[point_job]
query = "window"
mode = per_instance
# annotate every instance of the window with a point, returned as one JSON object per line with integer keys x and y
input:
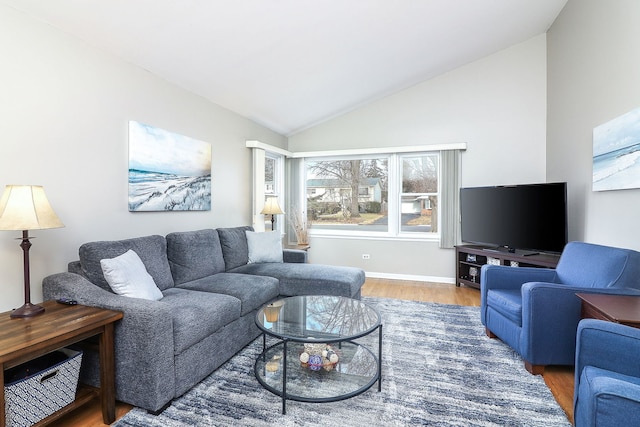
{"x": 391, "y": 194}
{"x": 269, "y": 167}
{"x": 347, "y": 194}
{"x": 273, "y": 182}
{"x": 419, "y": 194}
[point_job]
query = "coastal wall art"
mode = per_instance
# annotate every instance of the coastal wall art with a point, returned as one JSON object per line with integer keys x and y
{"x": 167, "y": 171}
{"x": 616, "y": 153}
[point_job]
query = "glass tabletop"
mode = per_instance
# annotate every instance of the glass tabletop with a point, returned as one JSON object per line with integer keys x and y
{"x": 317, "y": 318}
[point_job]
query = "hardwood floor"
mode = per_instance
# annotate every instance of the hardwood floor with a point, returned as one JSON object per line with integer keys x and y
{"x": 559, "y": 379}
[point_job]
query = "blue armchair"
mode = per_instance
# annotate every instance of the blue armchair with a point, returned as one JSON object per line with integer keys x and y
{"x": 536, "y": 312}
{"x": 607, "y": 382}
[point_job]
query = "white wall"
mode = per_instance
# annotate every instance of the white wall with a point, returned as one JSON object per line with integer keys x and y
{"x": 64, "y": 108}
{"x": 497, "y": 105}
{"x": 593, "y": 69}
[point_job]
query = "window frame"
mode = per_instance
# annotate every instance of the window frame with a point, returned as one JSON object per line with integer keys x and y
{"x": 298, "y": 195}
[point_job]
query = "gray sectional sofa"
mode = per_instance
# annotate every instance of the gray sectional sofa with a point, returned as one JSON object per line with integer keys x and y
{"x": 210, "y": 296}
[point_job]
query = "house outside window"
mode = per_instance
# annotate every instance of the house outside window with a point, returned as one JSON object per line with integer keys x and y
{"x": 395, "y": 194}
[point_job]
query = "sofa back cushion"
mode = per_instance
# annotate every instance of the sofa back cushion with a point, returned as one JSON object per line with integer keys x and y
{"x": 234, "y": 246}
{"x": 152, "y": 250}
{"x": 194, "y": 254}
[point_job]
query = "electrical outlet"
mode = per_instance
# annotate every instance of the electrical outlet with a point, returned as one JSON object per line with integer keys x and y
{"x": 366, "y": 256}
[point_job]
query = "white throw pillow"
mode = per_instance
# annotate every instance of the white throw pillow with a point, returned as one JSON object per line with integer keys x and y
{"x": 264, "y": 247}
{"x": 127, "y": 276}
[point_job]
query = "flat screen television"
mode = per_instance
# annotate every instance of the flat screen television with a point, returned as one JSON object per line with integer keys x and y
{"x": 525, "y": 219}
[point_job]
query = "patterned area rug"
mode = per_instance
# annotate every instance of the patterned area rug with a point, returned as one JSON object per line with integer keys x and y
{"x": 439, "y": 369}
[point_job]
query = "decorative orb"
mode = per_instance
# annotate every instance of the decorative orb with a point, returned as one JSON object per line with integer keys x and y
{"x": 315, "y": 362}
{"x": 333, "y": 358}
{"x": 304, "y": 357}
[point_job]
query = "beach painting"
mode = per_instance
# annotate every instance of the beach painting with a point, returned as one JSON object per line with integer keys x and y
{"x": 167, "y": 171}
{"x": 616, "y": 153}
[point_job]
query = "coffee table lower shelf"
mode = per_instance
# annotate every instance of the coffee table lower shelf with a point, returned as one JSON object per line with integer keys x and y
{"x": 278, "y": 369}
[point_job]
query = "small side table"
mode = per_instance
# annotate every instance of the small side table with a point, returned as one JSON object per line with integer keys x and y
{"x": 24, "y": 339}
{"x": 624, "y": 309}
{"x": 304, "y": 247}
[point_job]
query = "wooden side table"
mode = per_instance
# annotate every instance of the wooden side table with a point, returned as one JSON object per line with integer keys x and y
{"x": 24, "y": 339}
{"x": 298, "y": 247}
{"x": 624, "y": 309}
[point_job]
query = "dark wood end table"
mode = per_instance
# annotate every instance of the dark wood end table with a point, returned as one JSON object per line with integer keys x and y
{"x": 24, "y": 339}
{"x": 624, "y": 309}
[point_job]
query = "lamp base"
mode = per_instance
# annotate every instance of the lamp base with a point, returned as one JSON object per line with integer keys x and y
{"x": 27, "y": 310}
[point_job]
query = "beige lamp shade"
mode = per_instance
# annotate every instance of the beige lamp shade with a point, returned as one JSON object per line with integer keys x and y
{"x": 272, "y": 311}
{"x": 26, "y": 207}
{"x": 271, "y": 206}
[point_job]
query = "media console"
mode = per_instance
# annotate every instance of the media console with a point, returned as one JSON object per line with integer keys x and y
{"x": 471, "y": 258}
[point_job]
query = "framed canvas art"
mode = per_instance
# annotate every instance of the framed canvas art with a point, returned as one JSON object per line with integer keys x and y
{"x": 167, "y": 171}
{"x": 616, "y": 153}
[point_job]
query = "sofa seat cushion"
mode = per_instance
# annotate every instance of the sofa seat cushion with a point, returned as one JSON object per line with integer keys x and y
{"x": 309, "y": 279}
{"x": 196, "y": 315}
{"x": 194, "y": 254}
{"x": 252, "y": 291}
{"x": 507, "y": 302}
{"x": 152, "y": 250}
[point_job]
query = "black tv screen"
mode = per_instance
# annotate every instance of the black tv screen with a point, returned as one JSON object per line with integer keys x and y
{"x": 530, "y": 217}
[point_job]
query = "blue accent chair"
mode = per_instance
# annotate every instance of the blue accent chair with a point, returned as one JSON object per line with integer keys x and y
{"x": 535, "y": 310}
{"x": 607, "y": 382}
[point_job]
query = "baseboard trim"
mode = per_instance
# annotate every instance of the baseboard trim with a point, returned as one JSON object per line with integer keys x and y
{"x": 413, "y": 277}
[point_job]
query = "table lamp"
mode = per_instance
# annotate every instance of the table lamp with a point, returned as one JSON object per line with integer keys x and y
{"x": 25, "y": 207}
{"x": 272, "y": 311}
{"x": 271, "y": 207}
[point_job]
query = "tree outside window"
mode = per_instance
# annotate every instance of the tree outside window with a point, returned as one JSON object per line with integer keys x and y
{"x": 347, "y": 194}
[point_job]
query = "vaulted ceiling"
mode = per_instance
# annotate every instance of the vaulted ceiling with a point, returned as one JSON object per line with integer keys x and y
{"x": 290, "y": 64}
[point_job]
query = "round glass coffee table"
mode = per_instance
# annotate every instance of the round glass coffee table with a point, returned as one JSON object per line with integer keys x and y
{"x": 317, "y": 358}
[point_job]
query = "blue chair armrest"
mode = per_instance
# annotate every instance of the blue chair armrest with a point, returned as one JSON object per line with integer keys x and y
{"x": 607, "y": 345}
{"x": 504, "y": 277}
{"x": 607, "y": 401}
{"x": 550, "y": 314}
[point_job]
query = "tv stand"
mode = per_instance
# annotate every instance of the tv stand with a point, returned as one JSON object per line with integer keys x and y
{"x": 471, "y": 258}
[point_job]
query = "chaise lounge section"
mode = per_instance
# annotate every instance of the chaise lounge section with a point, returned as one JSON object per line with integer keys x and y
{"x": 210, "y": 293}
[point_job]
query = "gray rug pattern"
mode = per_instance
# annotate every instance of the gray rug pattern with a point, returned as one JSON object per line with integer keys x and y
{"x": 439, "y": 369}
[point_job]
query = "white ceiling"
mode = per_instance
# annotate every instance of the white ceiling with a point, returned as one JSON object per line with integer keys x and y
{"x": 290, "y": 64}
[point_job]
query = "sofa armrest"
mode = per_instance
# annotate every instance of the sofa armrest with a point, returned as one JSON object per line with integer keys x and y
{"x": 294, "y": 255}
{"x": 143, "y": 339}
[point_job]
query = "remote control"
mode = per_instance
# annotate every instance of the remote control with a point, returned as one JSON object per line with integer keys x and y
{"x": 67, "y": 301}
